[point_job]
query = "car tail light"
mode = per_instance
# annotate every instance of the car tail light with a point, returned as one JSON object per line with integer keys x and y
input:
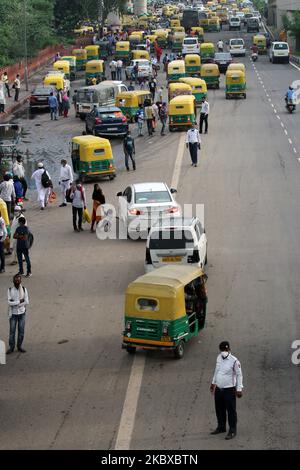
{"x": 124, "y": 119}
{"x": 128, "y": 326}
{"x": 98, "y": 121}
{"x": 32, "y": 98}
{"x": 134, "y": 212}
{"x": 172, "y": 210}
{"x": 194, "y": 258}
{"x": 110, "y": 166}
{"x": 148, "y": 259}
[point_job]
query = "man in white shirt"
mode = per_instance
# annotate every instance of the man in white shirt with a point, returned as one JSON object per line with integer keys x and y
{"x": 227, "y": 384}
{"x": 193, "y": 143}
{"x": 17, "y": 297}
{"x": 204, "y": 115}
{"x": 113, "y": 69}
{"x": 19, "y": 170}
{"x": 119, "y": 69}
{"x": 3, "y": 235}
{"x": 43, "y": 192}
{"x": 7, "y": 192}
{"x": 65, "y": 180}
{"x": 220, "y": 45}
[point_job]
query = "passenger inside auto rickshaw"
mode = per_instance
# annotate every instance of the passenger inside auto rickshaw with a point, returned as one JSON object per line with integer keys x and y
{"x": 196, "y": 300}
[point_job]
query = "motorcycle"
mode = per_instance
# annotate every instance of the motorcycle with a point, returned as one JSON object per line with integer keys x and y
{"x": 290, "y": 105}
{"x": 254, "y": 56}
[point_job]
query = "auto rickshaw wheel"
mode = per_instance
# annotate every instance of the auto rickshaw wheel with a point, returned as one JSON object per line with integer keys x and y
{"x": 179, "y": 350}
{"x": 130, "y": 349}
{"x": 245, "y": 96}
{"x": 111, "y": 177}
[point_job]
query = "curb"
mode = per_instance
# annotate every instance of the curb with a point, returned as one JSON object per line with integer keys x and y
{"x": 14, "y": 108}
{"x": 294, "y": 58}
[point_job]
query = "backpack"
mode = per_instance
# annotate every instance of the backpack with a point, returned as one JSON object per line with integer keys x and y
{"x": 68, "y": 195}
{"x": 45, "y": 180}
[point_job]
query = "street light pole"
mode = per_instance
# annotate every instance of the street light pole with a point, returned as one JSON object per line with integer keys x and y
{"x": 100, "y": 16}
{"x": 25, "y": 45}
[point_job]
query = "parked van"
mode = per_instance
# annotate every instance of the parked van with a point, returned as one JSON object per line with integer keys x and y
{"x": 176, "y": 241}
{"x": 103, "y": 94}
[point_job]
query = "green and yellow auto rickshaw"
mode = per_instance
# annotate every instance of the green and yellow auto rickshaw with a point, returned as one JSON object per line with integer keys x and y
{"x": 81, "y": 58}
{"x": 92, "y": 157}
{"x": 176, "y": 70}
{"x": 182, "y": 112}
{"x": 177, "y": 40}
{"x": 199, "y": 32}
{"x": 165, "y": 309}
{"x": 192, "y": 65}
{"x": 134, "y": 40}
{"x": 214, "y": 24}
{"x": 162, "y": 38}
{"x": 203, "y": 23}
{"x": 123, "y": 51}
{"x": 211, "y": 74}
{"x": 261, "y": 42}
{"x": 92, "y": 52}
{"x": 199, "y": 88}
{"x": 62, "y": 66}
{"x": 129, "y": 101}
{"x": 103, "y": 49}
{"x": 94, "y": 72}
{"x": 178, "y": 88}
{"x": 235, "y": 81}
{"x": 72, "y": 61}
{"x": 207, "y": 52}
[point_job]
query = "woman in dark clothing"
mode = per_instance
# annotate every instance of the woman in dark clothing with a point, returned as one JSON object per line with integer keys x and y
{"x": 98, "y": 199}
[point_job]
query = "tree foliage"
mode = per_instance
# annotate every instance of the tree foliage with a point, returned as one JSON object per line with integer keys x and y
{"x": 292, "y": 25}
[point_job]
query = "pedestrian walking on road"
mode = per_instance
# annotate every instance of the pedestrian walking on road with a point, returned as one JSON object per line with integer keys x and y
{"x": 129, "y": 150}
{"x": 60, "y": 102}
{"x": 7, "y": 192}
{"x": 227, "y": 384}
{"x": 77, "y": 195}
{"x": 16, "y": 87}
{"x": 66, "y": 105}
{"x": 19, "y": 170}
{"x": 17, "y": 297}
{"x": 5, "y": 81}
{"x": 18, "y": 212}
{"x": 113, "y": 69}
{"x": 98, "y": 199}
{"x": 24, "y": 241}
{"x": 193, "y": 143}
{"x": 131, "y": 87}
{"x": 53, "y": 105}
{"x": 3, "y": 235}
{"x": 140, "y": 120}
{"x": 2, "y": 99}
{"x": 163, "y": 116}
{"x": 152, "y": 87}
{"x": 149, "y": 118}
{"x": 119, "y": 69}
{"x": 43, "y": 184}
{"x": 65, "y": 180}
{"x": 74, "y": 101}
{"x": 204, "y": 115}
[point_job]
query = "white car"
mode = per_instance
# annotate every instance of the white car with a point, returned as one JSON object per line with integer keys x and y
{"x": 143, "y": 204}
{"x": 190, "y": 46}
{"x": 144, "y": 68}
{"x": 279, "y": 52}
{"x": 237, "y": 47}
{"x": 177, "y": 241}
{"x": 234, "y": 22}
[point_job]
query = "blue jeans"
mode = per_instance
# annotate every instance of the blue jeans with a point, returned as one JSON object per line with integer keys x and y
{"x": 13, "y": 321}
{"x": 20, "y": 254}
{"x": 140, "y": 127}
{"x": 53, "y": 113}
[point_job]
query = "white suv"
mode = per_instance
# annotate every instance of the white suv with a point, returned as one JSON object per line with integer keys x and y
{"x": 234, "y": 23}
{"x": 279, "y": 52}
{"x": 237, "y": 47}
{"x": 190, "y": 46}
{"x": 176, "y": 241}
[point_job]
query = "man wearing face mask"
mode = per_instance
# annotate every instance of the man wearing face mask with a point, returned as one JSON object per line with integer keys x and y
{"x": 227, "y": 384}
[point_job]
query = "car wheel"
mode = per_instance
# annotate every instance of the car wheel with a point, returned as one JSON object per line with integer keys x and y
{"x": 130, "y": 349}
{"x": 179, "y": 350}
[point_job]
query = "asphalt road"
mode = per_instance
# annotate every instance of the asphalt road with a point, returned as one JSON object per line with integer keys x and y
{"x": 75, "y": 388}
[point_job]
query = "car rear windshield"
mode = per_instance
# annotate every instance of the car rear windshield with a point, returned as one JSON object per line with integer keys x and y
{"x": 190, "y": 41}
{"x": 237, "y": 42}
{"x": 222, "y": 56}
{"x": 148, "y": 197}
{"x": 237, "y": 20}
{"x": 86, "y": 97}
{"x": 42, "y": 90}
{"x": 280, "y": 46}
{"x": 111, "y": 115}
{"x": 170, "y": 239}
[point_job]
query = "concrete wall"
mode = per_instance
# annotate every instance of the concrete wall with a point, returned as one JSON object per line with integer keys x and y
{"x": 277, "y": 8}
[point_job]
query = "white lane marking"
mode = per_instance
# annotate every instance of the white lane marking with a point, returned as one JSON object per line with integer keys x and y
{"x": 286, "y": 132}
{"x": 272, "y": 105}
{"x": 127, "y": 420}
{"x": 290, "y": 141}
{"x": 130, "y": 403}
{"x": 296, "y": 66}
{"x": 275, "y": 111}
{"x": 269, "y": 100}
{"x": 267, "y": 95}
{"x": 278, "y": 117}
{"x": 282, "y": 125}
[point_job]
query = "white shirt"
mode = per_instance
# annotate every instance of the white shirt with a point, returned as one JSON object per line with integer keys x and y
{"x": 3, "y": 230}
{"x": 205, "y": 108}
{"x": 228, "y": 373}
{"x": 66, "y": 173}
{"x": 113, "y": 65}
{"x": 18, "y": 170}
{"x": 220, "y": 43}
{"x": 13, "y": 297}
{"x": 192, "y": 136}
{"x": 7, "y": 190}
{"x": 37, "y": 176}
{"x": 120, "y": 64}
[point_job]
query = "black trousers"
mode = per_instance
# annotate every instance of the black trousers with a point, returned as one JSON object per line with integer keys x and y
{"x": 225, "y": 403}
{"x": 129, "y": 154}
{"x": 17, "y": 91}
{"x": 75, "y": 211}
{"x": 24, "y": 184}
{"x": 150, "y": 126}
{"x": 203, "y": 119}
{"x": 2, "y": 257}
{"x": 194, "y": 152}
